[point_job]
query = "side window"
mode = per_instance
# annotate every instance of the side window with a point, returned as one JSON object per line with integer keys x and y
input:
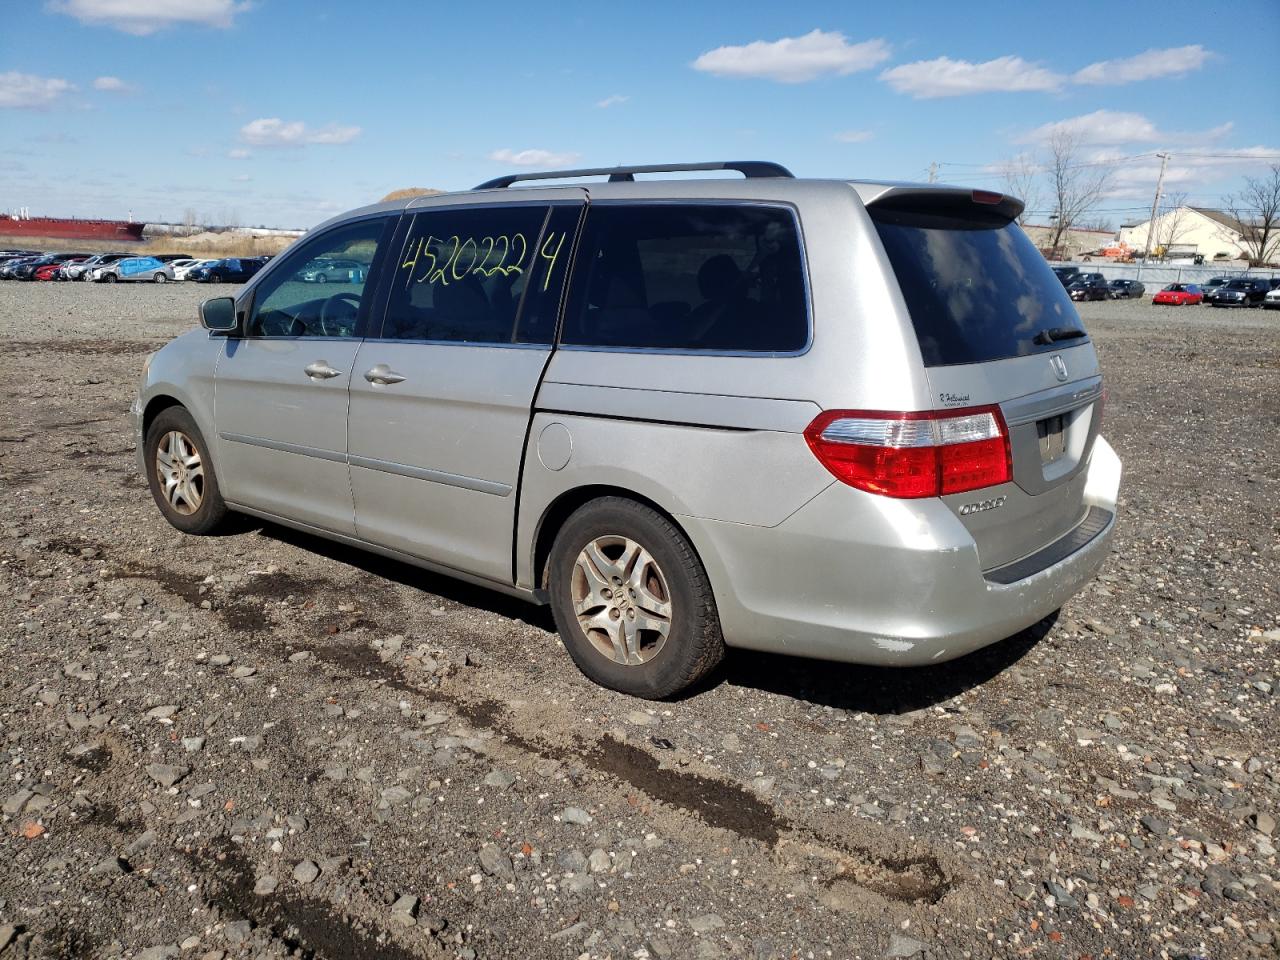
{"x": 714, "y": 277}
{"x": 301, "y": 297}
{"x": 467, "y": 275}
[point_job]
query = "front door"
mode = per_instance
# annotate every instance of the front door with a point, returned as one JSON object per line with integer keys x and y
{"x": 281, "y": 389}
{"x": 440, "y": 401}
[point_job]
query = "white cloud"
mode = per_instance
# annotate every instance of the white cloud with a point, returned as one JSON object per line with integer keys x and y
{"x": 239, "y": 153}
{"x": 854, "y": 136}
{"x": 242, "y": 178}
{"x": 612, "y": 101}
{"x": 143, "y": 17}
{"x": 945, "y": 77}
{"x": 31, "y": 92}
{"x": 1148, "y": 65}
{"x": 794, "y": 59}
{"x": 1114, "y": 127}
{"x": 112, "y": 85}
{"x": 274, "y": 132}
{"x": 1100, "y": 127}
{"x": 534, "y": 158}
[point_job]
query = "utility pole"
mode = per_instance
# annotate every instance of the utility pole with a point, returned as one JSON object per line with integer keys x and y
{"x": 1155, "y": 211}
{"x": 933, "y": 172}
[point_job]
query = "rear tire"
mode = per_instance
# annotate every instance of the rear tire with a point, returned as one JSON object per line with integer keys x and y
{"x": 159, "y": 278}
{"x": 632, "y": 601}
{"x": 110, "y": 278}
{"x": 180, "y": 473}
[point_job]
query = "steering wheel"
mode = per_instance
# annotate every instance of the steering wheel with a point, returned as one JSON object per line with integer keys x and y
{"x": 325, "y": 321}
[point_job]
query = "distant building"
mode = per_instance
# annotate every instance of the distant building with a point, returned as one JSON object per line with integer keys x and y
{"x": 1187, "y": 232}
{"x": 1072, "y": 244}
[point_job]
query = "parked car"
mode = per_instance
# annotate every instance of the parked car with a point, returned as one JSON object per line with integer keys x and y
{"x": 1126, "y": 289}
{"x": 925, "y": 442}
{"x": 1213, "y": 283}
{"x": 26, "y": 270}
{"x": 64, "y": 269}
{"x": 182, "y": 267}
{"x": 9, "y": 270}
{"x": 1272, "y": 300}
{"x": 333, "y": 271}
{"x": 170, "y": 257}
{"x": 1241, "y": 292}
{"x": 81, "y": 269}
{"x": 230, "y": 270}
{"x": 1089, "y": 289}
{"x": 1178, "y": 295}
{"x": 46, "y": 271}
{"x": 136, "y": 269}
{"x": 1066, "y": 274}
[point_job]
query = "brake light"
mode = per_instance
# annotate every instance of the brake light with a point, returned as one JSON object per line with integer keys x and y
{"x": 927, "y": 453}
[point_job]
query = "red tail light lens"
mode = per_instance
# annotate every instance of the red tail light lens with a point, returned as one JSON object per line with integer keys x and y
{"x": 927, "y": 453}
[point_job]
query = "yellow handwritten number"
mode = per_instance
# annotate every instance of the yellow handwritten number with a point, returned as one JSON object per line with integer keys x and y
{"x": 550, "y": 257}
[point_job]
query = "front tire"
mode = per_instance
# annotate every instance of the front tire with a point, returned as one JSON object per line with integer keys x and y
{"x": 159, "y": 278}
{"x": 180, "y": 473}
{"x": 110, "y": 278}
{"x": 632, "y": 601}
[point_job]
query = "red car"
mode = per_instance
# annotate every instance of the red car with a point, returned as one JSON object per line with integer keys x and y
{"x": 1179, "y": 294}
{"x": 47, "y": 271}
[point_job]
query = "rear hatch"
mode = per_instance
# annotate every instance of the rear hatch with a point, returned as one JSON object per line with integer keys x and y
{"x": 996, "y": 327}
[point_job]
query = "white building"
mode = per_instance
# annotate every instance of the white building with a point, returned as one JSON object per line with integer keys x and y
{"x": 1187, "y": 231}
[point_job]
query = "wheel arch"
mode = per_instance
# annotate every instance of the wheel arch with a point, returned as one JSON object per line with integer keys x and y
{"x": 560, "y": 509}
{"x": 155, "y": 406}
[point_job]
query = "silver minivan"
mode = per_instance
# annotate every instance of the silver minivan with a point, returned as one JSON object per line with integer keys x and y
{"x": 839, "y": 419}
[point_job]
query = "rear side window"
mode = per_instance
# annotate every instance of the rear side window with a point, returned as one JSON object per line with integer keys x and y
{"x": 977, "y": 289}
{"x": 689, "y": 277}
{"x": 467, "y": 275}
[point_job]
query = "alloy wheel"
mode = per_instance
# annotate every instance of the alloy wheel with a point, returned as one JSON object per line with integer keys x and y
{"x": 621, "y": 600}
{"x": 181, "y": 472}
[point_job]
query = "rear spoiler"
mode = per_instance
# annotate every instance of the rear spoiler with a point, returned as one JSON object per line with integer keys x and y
{"x": 929, "y": 198}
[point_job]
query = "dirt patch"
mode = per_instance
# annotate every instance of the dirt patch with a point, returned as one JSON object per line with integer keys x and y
{"x": 311, "y": 929}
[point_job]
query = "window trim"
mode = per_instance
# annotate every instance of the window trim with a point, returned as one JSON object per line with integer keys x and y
{"x": 401, "y": 237}
{"x": 249, "y": 298}
{"x": 790, "y": 208}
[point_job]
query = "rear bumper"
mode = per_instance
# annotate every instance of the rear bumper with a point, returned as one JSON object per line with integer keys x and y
{"x": 864, "y": 579}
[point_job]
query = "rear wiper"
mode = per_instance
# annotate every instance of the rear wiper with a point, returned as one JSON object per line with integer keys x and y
{"x": 1054, "y": 334}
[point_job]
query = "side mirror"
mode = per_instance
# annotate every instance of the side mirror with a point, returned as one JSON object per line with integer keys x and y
{"x": 219, "y": 314}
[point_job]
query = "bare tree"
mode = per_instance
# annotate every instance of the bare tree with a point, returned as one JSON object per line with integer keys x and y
{"x": 1076, "y": 187}
{"x": 1257, "y": 207}
{"x": 1171, "y": 225}
{"x": 1097, "y": 224}
{"x": 1021, "y": 178}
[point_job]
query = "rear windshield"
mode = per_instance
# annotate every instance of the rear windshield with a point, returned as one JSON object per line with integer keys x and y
{"x": 977, "y": 289}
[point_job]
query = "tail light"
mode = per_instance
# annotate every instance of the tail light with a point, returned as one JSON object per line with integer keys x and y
{"x": 928, "y": 453}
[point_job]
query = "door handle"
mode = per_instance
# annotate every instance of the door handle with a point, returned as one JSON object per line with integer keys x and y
{"x": 320, "y": 371}
{"x": 383, "y": 374}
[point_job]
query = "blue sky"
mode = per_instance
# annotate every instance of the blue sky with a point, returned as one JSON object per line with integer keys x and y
{"x": 282, "y": 112}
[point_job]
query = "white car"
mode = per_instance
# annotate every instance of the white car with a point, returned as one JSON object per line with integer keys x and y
{"x": 182, "y": 267}
{"x": 1272, "y": 300}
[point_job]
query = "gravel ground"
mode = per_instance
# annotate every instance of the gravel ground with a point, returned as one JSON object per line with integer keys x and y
{"x": 264, "y": 745}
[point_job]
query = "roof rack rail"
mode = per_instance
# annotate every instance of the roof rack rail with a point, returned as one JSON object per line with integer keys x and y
{"x": 748, "y": 168}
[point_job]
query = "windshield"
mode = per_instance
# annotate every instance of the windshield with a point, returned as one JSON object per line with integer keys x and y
{"x": 1238, "y": 285}
{"x": 977, "y": 290}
